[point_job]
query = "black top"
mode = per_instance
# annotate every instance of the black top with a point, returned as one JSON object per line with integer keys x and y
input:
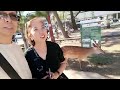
{"x": 39, "y": 66}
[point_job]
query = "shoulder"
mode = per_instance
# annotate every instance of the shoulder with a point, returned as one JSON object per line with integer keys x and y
{"x": 49, "y": 43}
{"x": 28, "y": 51}
{"x": 17, "y": 47}
{"x": 53, "y": 46}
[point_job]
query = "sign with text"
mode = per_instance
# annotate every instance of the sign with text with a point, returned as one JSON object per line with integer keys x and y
{"x": 90, "y": 33}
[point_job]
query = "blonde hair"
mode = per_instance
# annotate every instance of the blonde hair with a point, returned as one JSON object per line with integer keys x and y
{"x": 28, "y": 25}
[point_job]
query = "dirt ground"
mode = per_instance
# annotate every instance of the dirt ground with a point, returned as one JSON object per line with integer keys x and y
{"x": 109, "y": 45}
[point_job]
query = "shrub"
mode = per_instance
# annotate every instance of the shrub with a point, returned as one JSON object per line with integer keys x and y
{"x": 101, "y": 59}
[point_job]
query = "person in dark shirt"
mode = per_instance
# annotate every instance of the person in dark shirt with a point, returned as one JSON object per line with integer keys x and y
{"x": 45, "y": 58}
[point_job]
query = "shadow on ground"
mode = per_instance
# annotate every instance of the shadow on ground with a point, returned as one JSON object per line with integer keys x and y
{"x": 110, "y": 69}
{"x": 110, "y": 41}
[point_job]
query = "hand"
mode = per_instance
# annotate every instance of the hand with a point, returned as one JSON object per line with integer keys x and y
{"x": 45, "y": 77}
{"x": 54, "y": 75}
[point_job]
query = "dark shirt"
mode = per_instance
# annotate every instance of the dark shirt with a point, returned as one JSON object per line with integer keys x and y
{"x": 39, "y": 66}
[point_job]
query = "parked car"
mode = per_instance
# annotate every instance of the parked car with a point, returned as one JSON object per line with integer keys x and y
{"x": 18, "y": 35}
{"x": 19, "y": 39}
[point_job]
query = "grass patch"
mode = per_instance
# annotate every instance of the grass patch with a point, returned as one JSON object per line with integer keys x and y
{"x": 102, "y": 59}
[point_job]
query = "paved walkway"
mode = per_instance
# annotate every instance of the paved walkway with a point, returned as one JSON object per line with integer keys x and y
{"x": 72, "y": 74}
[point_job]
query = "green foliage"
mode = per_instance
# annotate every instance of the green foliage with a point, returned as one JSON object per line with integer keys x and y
{"x": 36, "y": 14}
{"x": 41, "y": 13}
{"x": 102, "y": 59}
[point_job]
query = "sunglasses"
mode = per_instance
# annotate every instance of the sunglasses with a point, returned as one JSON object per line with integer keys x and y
{"x": 13, "y": 16}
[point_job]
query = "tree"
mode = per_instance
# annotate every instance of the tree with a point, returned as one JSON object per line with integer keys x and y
{"x": 60, "y": 24}
{"x": 74, "y": 26}
{"x": 77, "y": 13}
{"x": 36, "y": 14}
{"x": 22, "y": 28}
{"x": 50, "y": 27}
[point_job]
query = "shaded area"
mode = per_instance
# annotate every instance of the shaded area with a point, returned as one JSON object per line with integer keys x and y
{"x": 110, "y": 69}
{"x": 110, "y": 41}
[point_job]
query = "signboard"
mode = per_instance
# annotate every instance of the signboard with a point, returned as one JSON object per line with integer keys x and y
{"x": 90, "y": 33}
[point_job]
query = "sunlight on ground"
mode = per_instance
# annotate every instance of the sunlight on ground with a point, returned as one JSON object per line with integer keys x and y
{"x": 72, "y": 74}
{"x": 113, "y": 76}
{"x": 112, "y": 49}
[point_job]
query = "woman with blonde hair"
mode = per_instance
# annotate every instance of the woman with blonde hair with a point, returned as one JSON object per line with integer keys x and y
{"x": 45, "y": 58}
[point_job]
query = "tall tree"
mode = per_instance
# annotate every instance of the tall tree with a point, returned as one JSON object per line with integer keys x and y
{"x": 22, "y": 28}
{"x": 74, "y": 26}
{"x": 50, "y": 26}
{"x": 77, "y": 13}
{"x": 36, "y": 14}
{"x": 60, "y": 24}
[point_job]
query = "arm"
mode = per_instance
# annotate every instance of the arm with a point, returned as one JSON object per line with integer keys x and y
{"x": 63, "y": 64}
{"x": 62, "y": 67}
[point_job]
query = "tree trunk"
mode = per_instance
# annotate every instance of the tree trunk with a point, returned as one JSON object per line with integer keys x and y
{"x": 60, "y": 24}
{"x": 50, "y": 27}
{"x": 108, "y": 23}
{"x": 74, "y": 26}
{"x": 24, "y": 39}
{"x": 77, "y": 13}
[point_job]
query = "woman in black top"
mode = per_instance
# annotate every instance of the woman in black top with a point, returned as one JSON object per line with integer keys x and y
{"x": 45, "y": 58}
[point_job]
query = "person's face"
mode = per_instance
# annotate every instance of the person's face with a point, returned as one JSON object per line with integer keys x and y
{"x": 8, "y": 22}
{"x": 38, "y": 32}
